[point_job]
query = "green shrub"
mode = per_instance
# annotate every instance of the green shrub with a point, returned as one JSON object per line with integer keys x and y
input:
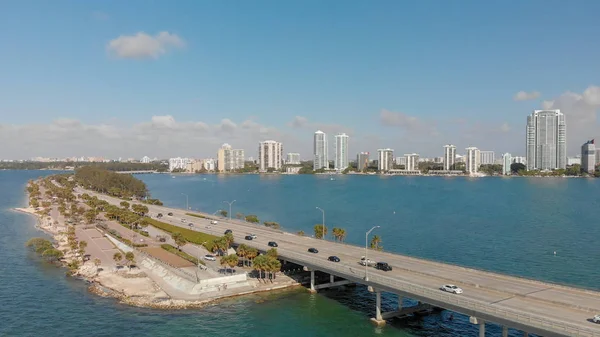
{"x": 196, "y": 215}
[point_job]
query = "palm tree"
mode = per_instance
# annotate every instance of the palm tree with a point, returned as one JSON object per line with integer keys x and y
{"x": 239, "y": 216}
{"x": 274, "y": 266}
{"x": 341, "y": 234}
{"x": 82, "y": 246}
{"x": 301, "y": 233}
{"x": 228, "y": 238}
{"x": 272, "y": 253}
{"x": 223, "y": 261}
{"x": 97, "y": 263}
{"x": 336, "y": 232}
{"x": 251, "y": 253}
{"x": 129, "y": 257}
{"x": 117, "y": 257}
{"x": 260, "y": 264}
{"x": 232, "y": 261}
{"x": 320, "y": 231}
{"x": 242, "y": 252}
{"x": 376, "y": 243}
{"x": 179, "y": 239}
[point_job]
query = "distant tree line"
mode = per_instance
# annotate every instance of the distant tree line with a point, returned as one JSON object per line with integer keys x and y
{"x": 111, "y": 166}
{"x": 116, "y": 184}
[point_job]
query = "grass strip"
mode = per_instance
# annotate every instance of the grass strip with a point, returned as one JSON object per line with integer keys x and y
{"x": 182, "y": 255}
{"x": 188, "y": 234}
{"x": 196, "y": 215}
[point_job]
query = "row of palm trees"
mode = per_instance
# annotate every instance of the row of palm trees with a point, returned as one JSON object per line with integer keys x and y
{"x": 266, "y": 264}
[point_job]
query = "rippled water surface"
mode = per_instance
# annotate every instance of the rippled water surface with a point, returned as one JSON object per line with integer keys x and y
{"x": 506, "y": 225}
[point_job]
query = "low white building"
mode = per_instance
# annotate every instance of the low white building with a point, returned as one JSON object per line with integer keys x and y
{"x": 178, "y": 163}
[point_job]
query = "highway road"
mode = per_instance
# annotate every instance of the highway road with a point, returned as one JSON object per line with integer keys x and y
{"x": 539, "y": 307}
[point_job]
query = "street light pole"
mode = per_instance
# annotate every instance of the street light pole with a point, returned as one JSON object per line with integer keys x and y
{"x": 322, "y": 211}
{"x": 187, "y": 201}
{"x": 366, "y": 252}
{"x": 230, "y": 203}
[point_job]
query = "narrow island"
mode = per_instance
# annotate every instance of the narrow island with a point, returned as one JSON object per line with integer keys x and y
{"x": 139, "y": 258}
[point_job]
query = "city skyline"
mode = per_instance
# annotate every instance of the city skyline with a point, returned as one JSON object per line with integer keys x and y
{"x": 132, "y": 81}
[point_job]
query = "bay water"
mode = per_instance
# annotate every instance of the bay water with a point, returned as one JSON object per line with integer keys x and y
{"x": 544, "y": 228}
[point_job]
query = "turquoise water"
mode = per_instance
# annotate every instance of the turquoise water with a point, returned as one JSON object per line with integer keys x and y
{"x": 508, "y": 225}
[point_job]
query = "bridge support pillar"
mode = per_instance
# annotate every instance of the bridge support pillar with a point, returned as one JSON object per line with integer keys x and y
{"x": 312, "y": 282}
{"x": 481, "y": 328}
{"x": 504, "y": 331}
{"x": 400, "y": 298}
{"x": 378, "y": 319}
{"x": 331, "y": 278}
{"x": 525, "y": 334}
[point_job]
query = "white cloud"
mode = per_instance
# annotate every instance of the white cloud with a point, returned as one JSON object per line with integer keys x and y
{"x": 161, "y": 136}
{"x": 526, "y": 96}
{"x": 581, "y": 114}
{"x": 142, "y": 45}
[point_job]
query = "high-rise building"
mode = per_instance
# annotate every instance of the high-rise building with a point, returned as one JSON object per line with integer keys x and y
{"x": 487, "y": 157}
{"x": 506, "y": 162}
{"x": 412, "y": 162}
{"x": 588, "y": 157}
{"x": 320, "y": 151}
{"x": 362, "y": 161}
{"x": 449, "y": 157}
{"x": 224, "y": 158}
{"x": 341, "y": 151}
{"x": 229, "y": 159}
{"x": 293, "y": 158}
{"x": 270, "y": 155}
{"x": 597, "y": 156}
{"x": 574, "y": 160}
{"x": 546, "y": 141}
{"x": 472, "y": 160}
{"x": 237, "y": 160}
{"x": 386, "y": 159}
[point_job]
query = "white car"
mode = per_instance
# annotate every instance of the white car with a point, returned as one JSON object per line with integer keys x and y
{"x": 253, "y": 236}
{"x": 182, "y": 220}
{"x": 214, "y": 222}
{"x": 209, "y": 257}
{"x": 451, "y": 288}
{"x": 366, "y": 262}
{"x": 596, "y": 319}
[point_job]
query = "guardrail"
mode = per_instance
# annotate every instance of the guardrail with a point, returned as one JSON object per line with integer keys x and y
{"x": 534, "y": 321}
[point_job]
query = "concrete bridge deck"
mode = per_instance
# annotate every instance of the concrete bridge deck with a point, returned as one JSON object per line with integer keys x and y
{"x": 536, "y": 307}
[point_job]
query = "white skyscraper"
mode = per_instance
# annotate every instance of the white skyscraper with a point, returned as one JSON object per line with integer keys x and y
{"x": 472, "y": 160}
{"x": 546, "y": 141}
{"x": 506, "y": 162}
{"x": 270, "y": 155}
{"x": 321, "y": 160}
{"x": 341, "y": 151}
{"x": 385, "y": 159}
{"x": 487, "y": 157}
{"x": 449, "y": 157}
{"x": 412, "y": 162}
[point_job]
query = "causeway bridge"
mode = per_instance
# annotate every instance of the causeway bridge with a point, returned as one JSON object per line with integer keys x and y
{"x": 137, "y": 172}
{"x": 536, "y": 307}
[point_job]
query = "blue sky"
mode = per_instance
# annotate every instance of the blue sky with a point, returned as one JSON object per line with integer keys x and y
{"x": 444, "y": 72}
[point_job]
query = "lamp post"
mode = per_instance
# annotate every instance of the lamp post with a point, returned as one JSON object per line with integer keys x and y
{"x": 366, "y": 252}
{"x": 187, "y": 203}
{"x": 230, "y": 203}
{"x": 322, "y": 211}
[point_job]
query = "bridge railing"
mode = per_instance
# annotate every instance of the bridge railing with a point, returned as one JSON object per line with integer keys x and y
{"x": 528, "y": 319}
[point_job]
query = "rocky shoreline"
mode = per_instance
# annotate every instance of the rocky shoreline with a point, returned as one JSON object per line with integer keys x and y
{"x": 134, "y": 289}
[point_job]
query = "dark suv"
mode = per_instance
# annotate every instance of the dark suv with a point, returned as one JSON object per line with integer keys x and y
{"x": 248, "y": 237}
{"x": 383, "y": 266}
{"x": 272, "y": 244}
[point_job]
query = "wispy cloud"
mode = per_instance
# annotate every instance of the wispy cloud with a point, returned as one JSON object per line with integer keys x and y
{"x": 142, "y": 45}
{"x": 526, "y": 96}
